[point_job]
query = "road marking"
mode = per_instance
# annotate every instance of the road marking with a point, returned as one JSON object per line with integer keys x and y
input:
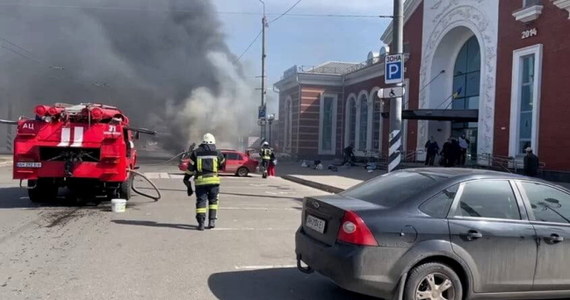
{"x": 252, "y": 229}
{"x": 264, "y": 267}
{"x": 164, "y": 175}
{"x": 259, "y": 208}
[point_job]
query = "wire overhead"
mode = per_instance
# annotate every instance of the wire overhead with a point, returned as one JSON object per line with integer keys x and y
{"x": 250, "y": 45}
{"x": 286, "y": 12}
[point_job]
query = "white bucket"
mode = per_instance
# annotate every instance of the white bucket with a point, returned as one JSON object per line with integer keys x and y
{"x": 118, "y": 205}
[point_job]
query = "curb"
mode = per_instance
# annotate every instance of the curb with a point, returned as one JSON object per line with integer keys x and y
{"x": 316, "y": 185}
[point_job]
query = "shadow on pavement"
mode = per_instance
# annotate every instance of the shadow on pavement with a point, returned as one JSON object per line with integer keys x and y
{"x": 262, "y": 196}
{"x": 232, "y": 194}
{"x": 276, "y": 284}
{"x": 15, "y": 197}
{"x": 155, "y": 224}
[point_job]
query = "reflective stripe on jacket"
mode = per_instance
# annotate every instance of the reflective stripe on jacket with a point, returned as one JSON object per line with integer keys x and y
{"x": 207, "y": 162}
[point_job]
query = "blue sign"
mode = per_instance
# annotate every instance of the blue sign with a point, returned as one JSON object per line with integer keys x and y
{"x": 394, "y": 69}
{"x": 262, "y": 112}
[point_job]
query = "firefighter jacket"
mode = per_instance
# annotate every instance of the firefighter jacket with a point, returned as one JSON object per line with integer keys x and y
{"x": 266, "y": 153}
{"x": 205, "y": 163}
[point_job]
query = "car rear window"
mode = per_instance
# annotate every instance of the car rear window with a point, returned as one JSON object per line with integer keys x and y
{"x": 232, "y": 156}
{"x": 390, "y": 189}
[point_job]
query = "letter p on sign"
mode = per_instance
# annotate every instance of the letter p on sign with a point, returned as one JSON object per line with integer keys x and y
{"x": 394, "y": 69}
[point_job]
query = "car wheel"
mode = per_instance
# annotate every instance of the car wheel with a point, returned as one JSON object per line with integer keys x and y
{"x": 242, "y": 172}
{"x": 433, "y": 281}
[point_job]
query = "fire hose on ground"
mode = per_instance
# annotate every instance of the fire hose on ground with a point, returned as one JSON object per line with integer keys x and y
{"x": 155, "y": 198}
{"x": 158, "y": 194}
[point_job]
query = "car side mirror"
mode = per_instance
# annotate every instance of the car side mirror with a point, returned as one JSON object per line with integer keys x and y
{"x": 551, "y": 200}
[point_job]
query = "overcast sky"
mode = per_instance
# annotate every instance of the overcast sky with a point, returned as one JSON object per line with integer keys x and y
{"x": 303, "y": 40}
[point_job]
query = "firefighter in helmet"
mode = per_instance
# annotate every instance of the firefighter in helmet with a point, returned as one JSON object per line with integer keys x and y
{"x": 205, "y": 163}
{"x": 267, "y": 156}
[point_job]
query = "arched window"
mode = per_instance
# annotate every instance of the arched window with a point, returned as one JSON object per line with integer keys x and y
{"x": 350, "y": 119}
{"x": 466, "y": 90}
{"x": 363, "y": 124}
{"x": 288, "y": 124}
{"x": 376, "y": 121}
{"x": 467, "y": 76}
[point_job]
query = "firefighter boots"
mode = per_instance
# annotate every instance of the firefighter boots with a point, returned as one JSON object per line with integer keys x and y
{"x": 212, "y": 224}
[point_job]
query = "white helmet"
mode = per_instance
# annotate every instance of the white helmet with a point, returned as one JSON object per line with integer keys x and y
{"x": 209, "y": 139}
{"x": 265, "y": 144}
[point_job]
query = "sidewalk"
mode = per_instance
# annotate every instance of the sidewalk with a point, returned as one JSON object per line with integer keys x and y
{"x": 334, "y": 182}
{"x": 325, "y": 179}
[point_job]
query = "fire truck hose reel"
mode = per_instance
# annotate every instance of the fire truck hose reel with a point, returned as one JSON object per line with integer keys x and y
{"x": 155, "y": 198}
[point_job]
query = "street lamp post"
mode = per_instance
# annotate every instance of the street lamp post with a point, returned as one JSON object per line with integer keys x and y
{"x": 263, "y": 56}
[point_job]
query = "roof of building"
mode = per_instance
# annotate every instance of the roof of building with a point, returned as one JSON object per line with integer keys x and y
{"x": 332, "y": 67}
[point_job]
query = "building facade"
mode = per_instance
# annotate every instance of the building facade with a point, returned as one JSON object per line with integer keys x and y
{"x": 493, "y": 70}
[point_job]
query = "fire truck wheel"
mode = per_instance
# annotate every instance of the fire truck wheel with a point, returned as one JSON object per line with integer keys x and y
{"x": 125, "y": 189}
{"x": 44, "y": 191}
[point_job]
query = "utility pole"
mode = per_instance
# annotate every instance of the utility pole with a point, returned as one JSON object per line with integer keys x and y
{"x": 395, "y": 143}
{"x": 263, "y": 56}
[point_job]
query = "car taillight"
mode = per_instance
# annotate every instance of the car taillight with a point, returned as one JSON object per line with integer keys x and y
{"x": 353, "y": 230}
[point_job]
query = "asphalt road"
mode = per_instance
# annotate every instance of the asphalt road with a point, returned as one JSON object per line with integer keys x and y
{"x": 153, "y": 250}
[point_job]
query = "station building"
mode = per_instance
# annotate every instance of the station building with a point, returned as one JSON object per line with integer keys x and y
{"x": 496, "y": 71}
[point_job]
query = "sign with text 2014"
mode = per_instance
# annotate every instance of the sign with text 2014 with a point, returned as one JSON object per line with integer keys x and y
{"x": 394, "y": 68}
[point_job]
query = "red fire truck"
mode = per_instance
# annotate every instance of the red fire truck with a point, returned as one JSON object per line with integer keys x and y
{"x": 87, "y": 147}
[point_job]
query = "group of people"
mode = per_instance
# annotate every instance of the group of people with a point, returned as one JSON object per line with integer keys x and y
{"x": 205, "y": 163}
{"x": 453, "y": 152}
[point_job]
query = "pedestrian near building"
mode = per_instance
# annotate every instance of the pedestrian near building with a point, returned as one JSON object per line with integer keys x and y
{"x": 463, "y": 145}
{"x": 432, "y": 148}
{"x": 205, "y": 162}
{"x": 531, "y": 163}
{"x": 446, "y": 154}
{"x": 348, "y": 155}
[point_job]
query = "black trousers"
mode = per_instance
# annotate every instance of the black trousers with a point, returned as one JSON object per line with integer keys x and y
{"x": 188, "y": 184}
{"x": 207, "y": 201}
{"x": 430, "y": 159}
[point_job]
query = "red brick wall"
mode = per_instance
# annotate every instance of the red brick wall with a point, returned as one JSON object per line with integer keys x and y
{"x": 283, "y": 95}
{"x": 554, "y": 33}
{"x": 413, "y": 36}
{"x": 308, "y": 136}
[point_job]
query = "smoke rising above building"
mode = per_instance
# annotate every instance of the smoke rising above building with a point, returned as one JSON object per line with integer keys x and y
{"x": 164, "y": 63}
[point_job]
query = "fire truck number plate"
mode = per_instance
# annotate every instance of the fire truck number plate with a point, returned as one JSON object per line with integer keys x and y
{"x": 29, "y": 164}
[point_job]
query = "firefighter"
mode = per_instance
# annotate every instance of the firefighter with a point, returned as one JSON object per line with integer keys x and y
{"x": 267, "y": 156}
{"x": 205, "y": 162}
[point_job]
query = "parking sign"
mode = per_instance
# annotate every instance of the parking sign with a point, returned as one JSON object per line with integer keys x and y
{"x": 394, "y": 68}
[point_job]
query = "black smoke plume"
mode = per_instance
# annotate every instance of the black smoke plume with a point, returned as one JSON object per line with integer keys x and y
{"x": 164, "y": 63}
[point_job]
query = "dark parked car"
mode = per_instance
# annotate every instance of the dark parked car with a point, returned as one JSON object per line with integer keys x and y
{"x": 441, "y": 234}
